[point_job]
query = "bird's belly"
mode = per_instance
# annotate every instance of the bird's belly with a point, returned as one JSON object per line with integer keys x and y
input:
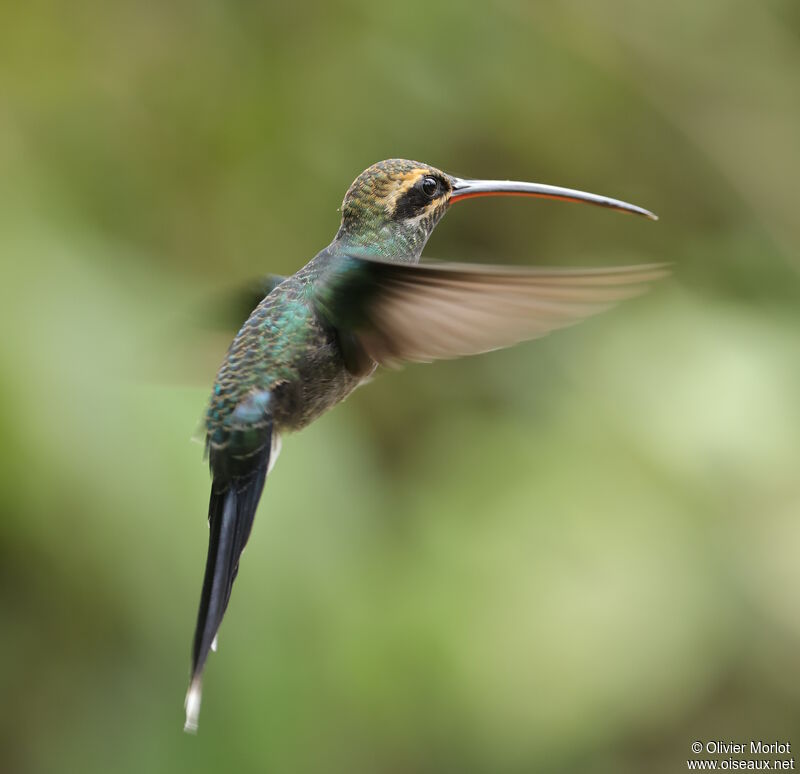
{"x": 321, "y": 381}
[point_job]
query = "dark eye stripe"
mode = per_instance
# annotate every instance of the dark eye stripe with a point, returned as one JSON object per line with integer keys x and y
{"x": 414, "y": 201}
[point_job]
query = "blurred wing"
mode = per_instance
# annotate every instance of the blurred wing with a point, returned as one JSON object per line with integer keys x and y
{"x": 228, "y": 309}
{"x": 422, "y": 312}
{"x": 189, "y": 341}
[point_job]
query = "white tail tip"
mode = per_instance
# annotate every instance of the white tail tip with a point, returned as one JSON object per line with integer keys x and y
{"x": 214, "y": 643}
{"x": 192, "y": 704}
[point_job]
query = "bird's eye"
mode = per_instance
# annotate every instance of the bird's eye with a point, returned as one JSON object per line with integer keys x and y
{"x": 430, "y": 185}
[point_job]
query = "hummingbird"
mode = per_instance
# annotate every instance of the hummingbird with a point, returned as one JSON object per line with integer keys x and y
{"x": 366, "y": 301}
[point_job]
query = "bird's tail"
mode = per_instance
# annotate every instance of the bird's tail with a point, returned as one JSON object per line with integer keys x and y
{"x": 230, "y": 518}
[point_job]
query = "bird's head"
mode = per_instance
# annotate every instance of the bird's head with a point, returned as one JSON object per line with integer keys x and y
{"x": 393, "y": 206}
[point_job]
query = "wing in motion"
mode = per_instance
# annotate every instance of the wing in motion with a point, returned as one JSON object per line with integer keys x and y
{"x": 423, "y": 312}
{"x": 228, "y": 309}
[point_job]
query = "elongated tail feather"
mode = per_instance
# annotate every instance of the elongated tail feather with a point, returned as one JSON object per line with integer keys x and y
{"x": 230, "y": 515}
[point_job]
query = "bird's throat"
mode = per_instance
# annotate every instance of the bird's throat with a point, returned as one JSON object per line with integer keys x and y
{"x": 386, "y": 241}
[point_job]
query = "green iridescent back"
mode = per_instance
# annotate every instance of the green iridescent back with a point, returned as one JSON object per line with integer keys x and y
{"x": 284, "y": 349}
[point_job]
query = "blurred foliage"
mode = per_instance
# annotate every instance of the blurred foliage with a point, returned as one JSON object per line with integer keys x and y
{"x": 580, "y": 554}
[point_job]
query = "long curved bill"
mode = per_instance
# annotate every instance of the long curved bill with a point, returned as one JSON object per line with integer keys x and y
{"x": 467, "y": 189}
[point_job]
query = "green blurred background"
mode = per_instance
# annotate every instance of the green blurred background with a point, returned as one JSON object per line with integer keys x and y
{"x": 578, "y": 555}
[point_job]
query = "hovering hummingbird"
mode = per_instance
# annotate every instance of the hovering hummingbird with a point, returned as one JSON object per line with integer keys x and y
{"x": 364, "y": 301}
